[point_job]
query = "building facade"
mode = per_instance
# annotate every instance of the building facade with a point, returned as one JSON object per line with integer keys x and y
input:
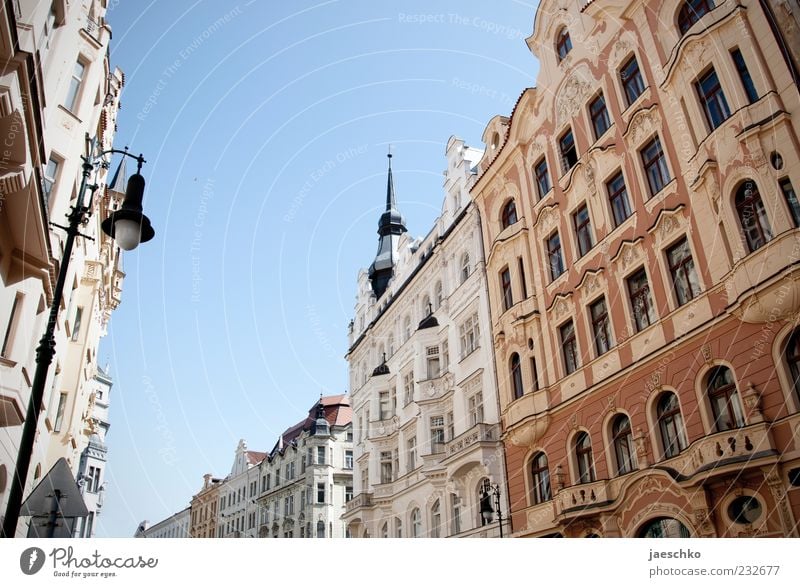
{"x": 175, "y": 526}
{"x": 56, "y": 86}
{"x": 203, "y": 507}
{"x": 426, "y": 416}
{"x": 641, "y": 218}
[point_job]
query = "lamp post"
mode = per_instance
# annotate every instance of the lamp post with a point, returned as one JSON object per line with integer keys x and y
{"x": 490, "y": 503}
{"x": 128, "y": 226}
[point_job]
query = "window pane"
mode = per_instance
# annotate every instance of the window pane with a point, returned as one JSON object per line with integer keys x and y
{"x": 712, "y": 99}
{"x": 631, "y": 80}
{"x": 599, "y": 114}
{"x": 618, "y": 196}
{"x": 684, "y": 277}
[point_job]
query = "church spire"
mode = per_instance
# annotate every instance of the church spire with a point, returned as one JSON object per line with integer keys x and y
{"x": 390, "y": 226}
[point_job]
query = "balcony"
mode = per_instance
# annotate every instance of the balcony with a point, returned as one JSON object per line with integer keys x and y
{"x": 476, "y": 435}
{"x": 431, "y": 390}
{"x": 362, "y": 500}
{"x": 585, "y": 495}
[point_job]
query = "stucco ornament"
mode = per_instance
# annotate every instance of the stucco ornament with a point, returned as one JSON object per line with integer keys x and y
{"x": 572, "y": 95}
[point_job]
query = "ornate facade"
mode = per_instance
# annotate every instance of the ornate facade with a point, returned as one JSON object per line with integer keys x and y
{"x": 646, "y": 340}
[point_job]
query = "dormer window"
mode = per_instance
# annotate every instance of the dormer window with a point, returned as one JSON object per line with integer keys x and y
{"x": 691, "y": 12}
{"x": 495, "y": 141}
{"x": 563, "y": 44}
{"x": 509, "y": 215}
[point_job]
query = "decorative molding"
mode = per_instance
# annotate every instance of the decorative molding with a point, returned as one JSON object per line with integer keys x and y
{"x": 629, "y": 252}
{"x": 547, "y": 218}
{"x": 591, "y": 281}
{"x": 573, "y": 93}
{"x": 642, "y": 125}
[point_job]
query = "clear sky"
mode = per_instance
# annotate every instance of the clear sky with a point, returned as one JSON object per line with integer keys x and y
{"x": 265, "y": 127}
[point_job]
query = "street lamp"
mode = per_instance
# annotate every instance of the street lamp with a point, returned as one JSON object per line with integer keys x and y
{"x": 128, "y": 226}
{"x": 489, "y": 506}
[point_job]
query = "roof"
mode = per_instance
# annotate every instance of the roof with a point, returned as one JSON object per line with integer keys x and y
{"x": 337, "y": 413}
{"x": 254, "y": 457}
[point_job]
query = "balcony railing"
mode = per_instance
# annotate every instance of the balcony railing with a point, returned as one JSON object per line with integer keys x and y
{"x": 362, "y": 500}
{"x": 478, "y": 433}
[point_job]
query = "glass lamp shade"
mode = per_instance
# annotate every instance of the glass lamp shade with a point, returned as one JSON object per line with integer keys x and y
{"x": 127, "y": 233}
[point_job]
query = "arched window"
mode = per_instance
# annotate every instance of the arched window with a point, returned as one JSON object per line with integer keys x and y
{"x": 691, "y": 12}
{"x": 438, "y": 295}
{"x": 385, "y": 530}
{"x": 427, "y": 307}
{"x": 624, "y": 451}
{"x": 320, "y": 529}
{"x": 540, "y": 479}
{"x": 465, "y": 268}
{"x": 515, "y": 367}
{"x": 416, "y": 523}
{"x": 563, "y": 43}
{"x": 724, "y": 398}
{"x": 793, "y": 358}
{"x": 583, "y": 454}
{"x": 509, "y": 215}
{"x": 670, "y": 423}
{"x": 436, "y": 520}
{"x": 752, "y": 216}
{"x": 664, "y": 528}
{"x": 398, "y": 528}
{"x": 406, "y": 328}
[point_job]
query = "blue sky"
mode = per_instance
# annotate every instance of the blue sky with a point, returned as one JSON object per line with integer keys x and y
{"x": 265, "y": 127}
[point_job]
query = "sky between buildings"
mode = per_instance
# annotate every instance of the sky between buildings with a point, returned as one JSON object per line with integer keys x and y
{"x": 265, "y": 127}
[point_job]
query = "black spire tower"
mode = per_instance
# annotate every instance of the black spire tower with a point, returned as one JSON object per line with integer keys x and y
{"x": 390, "y": 226}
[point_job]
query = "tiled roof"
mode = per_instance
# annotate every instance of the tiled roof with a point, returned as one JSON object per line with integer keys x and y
{"x": 255, "y": 457}
{"x": 337, "y": 412}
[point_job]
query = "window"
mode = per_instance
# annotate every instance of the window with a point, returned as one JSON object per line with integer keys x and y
{"x": 599, "y": 115}
{"x": 641, "y": 304}
{"x": 509, "y": 215}
{"x": 320, "y": 457}
{"x": 691, "y": 12}
{"x": 451, "y": 429}
{"x": 385, "y": 530}
{"x": 569, "y": 347}
{"x": 320, "y": 493}
{"x": 406, "y": 328}
{"x": 534, "y": 374}
{"x": 712, "y": 99}
{"x": 320, "y": 529}
{"x": 469, "y": 333}
{"x": 563, "y": 44}
{"x": 664, "y": 528}
{"x": 505, "y": 286}
{"x": 62, "y": 404}
{"x": 475, "y": 408}
{"x": 681, "y": 267}
{"x": 516, "y": 376}
{"x": 583, "y": 228}
{"x": 433, "y": 362}
{"x": 386, "y": 466}
{"x": 348, "y": 492}
{"x": 624, "y": 451}
{"x": 583, "y": 453}
{"x": 11, "y": 325}
{"x": 50, "y": 177}
{"x": 522, "y": 278}
{"x": 416, "y": 523}
{"x": 618, "y": 196}
{"x": 569, "y": 154}
{"x": 791, "y": 200}
{"x": 436, "y": 519}
{"x": 408, "y": 387}
{"x": 542, "y": 177}
{"x": 385, "y": 411}
{"x": 71, "y": 101}
{"x": 744, "y": 75}
{"x": 752, "y": 216}
{"x": 631, "y": 79}
{"x": 670, "y": 423}
{"x": 554, "y": 256}
{"x": 398, "y": 528}
{"x": 724, "y": 399}
{"x": 455, "y": 514}
{"x": 655, "y": 166}
{"x": 437, "y": 434}
{"x": 793, "y": 359}
{"x": 390, "y": 346}
{"x": 540, "y": 479}
{"x": 412, "y": 453}
{"x": 465, "y": 268}
{"x": 348, "y": 459}
{"x": 601, "y": 327}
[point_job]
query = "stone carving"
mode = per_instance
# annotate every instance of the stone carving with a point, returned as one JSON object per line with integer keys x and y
{"x": 572, "y": 95}
{"x": 706, "y": 352}
{"x": 548, "y": 217}
{"x": 643, "y": 124}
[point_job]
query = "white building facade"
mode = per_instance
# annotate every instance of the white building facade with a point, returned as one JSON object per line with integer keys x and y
{"x": 422, "y": 375}
{"x": 175, "y": 526}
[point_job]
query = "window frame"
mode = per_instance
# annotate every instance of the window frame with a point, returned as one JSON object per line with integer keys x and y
{"x": 618, "y": 194}
{"x": 567, "y": 150}
{"x": 555, "y": 252}
{"x": 599, "y": 115}
{"x": 506, "y": 290}
{"x": 509, "y": 216}
{"x": 542, "y": 175}
{"x": 688, "y": 14}
{"x": 569, "y": 347}
{"x": 601, "y": 325}
{"x": 541, "y": 490}
{"x": 75, "y": 88}
{"x": 727, "y": 394}
{"x": 583, "y": 230}
{"x": 563, "y": 44}
{"x": 623, "y": 445}
{"x": 515, "y": 372}
{"x": 584, "y": 458}
{"x": 683, "y": 271}
{"x": 670, "y": 425}
{"x": 761, "y": 224}
{"x": 631, "y": 80}
{"x": 656, "y": 162}
{"x": 644, "y": 292}
{"x": 712, "y": 98}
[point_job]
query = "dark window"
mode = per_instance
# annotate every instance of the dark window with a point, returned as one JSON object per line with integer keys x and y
{"x": 516, "y": 376}
{"x": 542, "y": 178}
{"x": 600, "y": 326}
{"x": 583, "y": 228}
{"x": 623, "y": 444}
{"x": 793, "y": 358}
{"x": 554, "y": 255}
{"x": 664, "y": 528}
{"x": 670, "y": 423}
{"x": 569, "y": 154}
{"x": 752, "y": 216}
{"x": 583, "y": 452}
{"x": 655, "y": 166}
{"x": 712, "y": 98}
{"x": 724, "y": 399}
{"x": 791, "y": 200}
{"x": 641, "y": 304}
{"x": 522, "y": 278}
{"x": 505, "y": 285}
{"x": 691, "y": 12}
{"x": 599, "y": 114}
{"x": 563, "y": 44}
{"x": 744, "y": 75}
{"x": 681, "y": 267}
{"x": 631, "y": 79}
{"x": 509, "y": 216}
{"x": 540, "y": 476}
{"x": 569, "y": 347}
{"x": 534, "y": 374}
{"x": 618, "y": 196}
